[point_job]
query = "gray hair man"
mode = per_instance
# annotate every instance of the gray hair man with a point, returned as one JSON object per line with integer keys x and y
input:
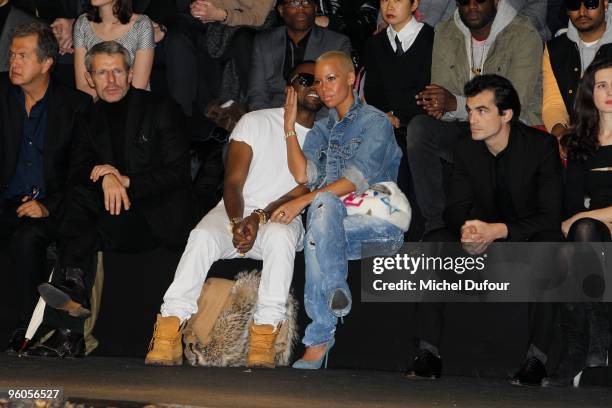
{"x": 130, "y": 185}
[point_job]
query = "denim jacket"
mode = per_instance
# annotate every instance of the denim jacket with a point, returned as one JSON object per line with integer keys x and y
{"x": 361, "y": 148}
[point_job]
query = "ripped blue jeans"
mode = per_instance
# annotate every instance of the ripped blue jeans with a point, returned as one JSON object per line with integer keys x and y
{"x": 332, "y": 239}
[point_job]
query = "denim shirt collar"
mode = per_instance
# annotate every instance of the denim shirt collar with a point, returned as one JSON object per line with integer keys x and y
{"x": 350, "y": 114}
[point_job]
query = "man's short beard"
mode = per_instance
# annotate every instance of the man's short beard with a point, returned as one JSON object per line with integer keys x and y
{"x": 591, "y": 27}
{"x": 480, "y": 26}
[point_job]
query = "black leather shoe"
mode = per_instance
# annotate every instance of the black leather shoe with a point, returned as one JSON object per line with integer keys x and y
{"x": 68, "y": 294}
{"x": 531, "y": 373}
{"x": 63, "y": 343}
{"x": 16, "y": 341}
{"x": 426, "y": 366}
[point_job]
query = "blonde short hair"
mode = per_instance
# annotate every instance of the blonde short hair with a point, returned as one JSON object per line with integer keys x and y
{"x": 344, "y": 61}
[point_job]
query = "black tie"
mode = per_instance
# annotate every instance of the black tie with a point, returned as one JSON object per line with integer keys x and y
{"x": 398, "y": 47}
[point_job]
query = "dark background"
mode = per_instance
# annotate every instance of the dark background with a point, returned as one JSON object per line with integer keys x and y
{"x": 486, "y": 340}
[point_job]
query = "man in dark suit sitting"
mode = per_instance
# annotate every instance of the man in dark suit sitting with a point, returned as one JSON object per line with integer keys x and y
{"x": 37, "y": 121}
{"x": 130, "y": 190}
{"x": 506, "y": 186}
{"x": 276, "y": 52}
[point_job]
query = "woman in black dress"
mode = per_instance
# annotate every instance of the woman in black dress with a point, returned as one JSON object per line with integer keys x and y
{"x": 588, "y": 205}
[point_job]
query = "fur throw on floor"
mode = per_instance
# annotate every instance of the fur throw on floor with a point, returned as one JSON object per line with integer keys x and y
{"x": 229, "y": 339}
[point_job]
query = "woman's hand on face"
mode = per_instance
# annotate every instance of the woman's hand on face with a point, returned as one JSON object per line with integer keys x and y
{"x": 290, "y": 109}
{"x": 285, "y": 213}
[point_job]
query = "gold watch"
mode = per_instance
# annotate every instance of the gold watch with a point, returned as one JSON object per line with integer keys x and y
{"x": 263, "y": 216}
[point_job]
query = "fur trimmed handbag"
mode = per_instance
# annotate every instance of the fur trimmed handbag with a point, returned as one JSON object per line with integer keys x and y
{"x": 218, "y": 335}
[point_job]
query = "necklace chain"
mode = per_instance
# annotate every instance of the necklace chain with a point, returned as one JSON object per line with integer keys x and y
{"x": 477, "y": 70}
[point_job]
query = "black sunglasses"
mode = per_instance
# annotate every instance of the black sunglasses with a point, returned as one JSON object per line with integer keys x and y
{"x": 574, "y": 5}
{"x": 304, "y": 79}
{"x": 466, "y": 2}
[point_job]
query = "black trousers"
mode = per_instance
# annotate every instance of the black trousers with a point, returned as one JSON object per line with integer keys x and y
{"x": 194, "y": 75}
{"x": 27, "y": 240}
{"x": 86, "y": 228}
{"x": 430, "y": 144}
{"x": 430, "y": 315}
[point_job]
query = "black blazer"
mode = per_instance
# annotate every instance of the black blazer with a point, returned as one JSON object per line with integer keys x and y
{"x": 535, "y": 179}
{"x": 266, "y": 81}
{"x": 565, "y": 61}
{"x": 157, "y": 161}
{"x": 65, "y": 104}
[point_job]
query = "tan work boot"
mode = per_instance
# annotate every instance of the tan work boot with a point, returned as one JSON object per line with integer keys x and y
{"x": 166, "y": 347}
{"x": 261, "y": 345}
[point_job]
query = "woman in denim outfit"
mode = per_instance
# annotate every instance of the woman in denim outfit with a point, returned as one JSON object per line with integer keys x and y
{"x": 349, "y": 151}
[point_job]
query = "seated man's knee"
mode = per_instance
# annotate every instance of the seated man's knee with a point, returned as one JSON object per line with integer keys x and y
{"x": 201, "y": 237}
{"x": 26, "y": 237}
{"x": 282, "y": 236}
{"x": 416, "y": 131}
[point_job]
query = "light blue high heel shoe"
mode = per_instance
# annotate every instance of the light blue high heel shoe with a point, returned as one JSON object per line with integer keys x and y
{"x": 315, "y": 364}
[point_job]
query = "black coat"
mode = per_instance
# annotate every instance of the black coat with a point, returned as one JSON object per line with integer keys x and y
{"x": 156, "y": 158}
{"x": 535, "y": 184}
{"x": 566, "y": 65}
{"x": 65, "y": 104}
{"x": 267, "y": 83}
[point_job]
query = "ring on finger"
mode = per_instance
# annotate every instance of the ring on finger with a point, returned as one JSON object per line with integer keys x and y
{"x": 282, "y": 214}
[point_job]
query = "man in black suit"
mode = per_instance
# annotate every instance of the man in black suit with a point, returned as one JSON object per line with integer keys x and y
{"x": 275, "y": 52}
{"x": 130, "y": 190}
{"x": 506, "y": 186}
{"x": 37, "y": 122}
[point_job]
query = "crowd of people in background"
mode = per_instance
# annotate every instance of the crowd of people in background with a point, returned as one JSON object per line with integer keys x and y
{"x": 124, "y": 122}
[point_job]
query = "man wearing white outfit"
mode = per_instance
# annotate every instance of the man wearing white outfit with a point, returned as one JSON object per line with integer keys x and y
{"x": 257, "y": 174}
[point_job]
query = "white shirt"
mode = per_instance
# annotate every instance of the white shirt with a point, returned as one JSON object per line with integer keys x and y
{"x": 587, "y": 53}
{"x": 406, "y": 35}
{"x": 269, "y": 177}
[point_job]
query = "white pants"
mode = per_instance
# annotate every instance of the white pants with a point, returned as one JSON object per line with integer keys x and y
{"x": 275, "y": 244}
